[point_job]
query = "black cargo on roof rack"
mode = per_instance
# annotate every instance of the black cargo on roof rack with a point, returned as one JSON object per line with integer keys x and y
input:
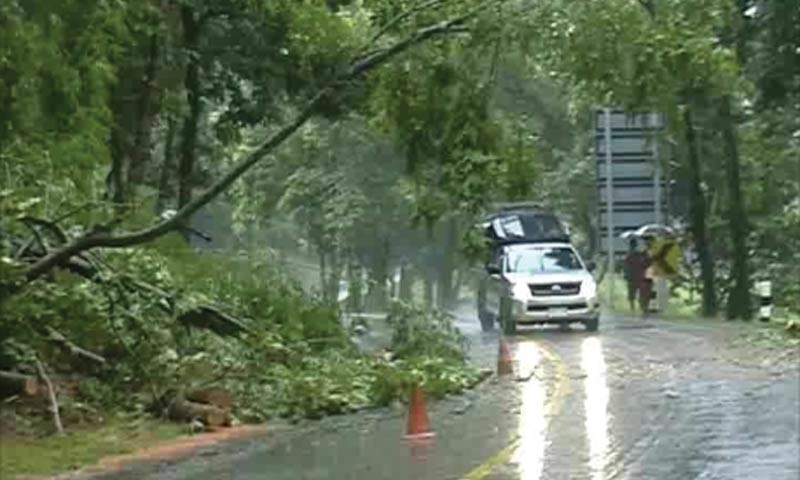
{"x": 523, "y": 223}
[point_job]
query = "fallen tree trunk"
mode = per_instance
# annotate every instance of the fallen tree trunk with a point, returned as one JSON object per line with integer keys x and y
{"x": 216, "y": 396}
{"x": 12, "y": 383}
{"x": 211, "y": 416}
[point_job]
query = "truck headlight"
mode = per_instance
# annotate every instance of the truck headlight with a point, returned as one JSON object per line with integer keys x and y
{"x": 589, "y": 289}
{"x": 520, "y": 291}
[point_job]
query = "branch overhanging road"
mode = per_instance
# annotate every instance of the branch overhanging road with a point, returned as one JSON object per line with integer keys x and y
{"x": 641, "y": 399}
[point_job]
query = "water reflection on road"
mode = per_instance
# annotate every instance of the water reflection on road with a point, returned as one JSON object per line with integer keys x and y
{"x": 532, "y": 429}
{"x": 596, "y": 405}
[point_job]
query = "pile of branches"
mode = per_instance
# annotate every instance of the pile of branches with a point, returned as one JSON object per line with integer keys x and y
{"x": 46, "y": 235}
{"x": 36, "y": 239}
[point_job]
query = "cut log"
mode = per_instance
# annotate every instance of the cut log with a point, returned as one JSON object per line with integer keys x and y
{"x": 183, "y": 410}
{"x": 12, "y": 383}
{"x": 219, "y": 397}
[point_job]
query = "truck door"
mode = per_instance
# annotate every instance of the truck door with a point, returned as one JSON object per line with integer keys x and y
{"x": 494, "y": 286}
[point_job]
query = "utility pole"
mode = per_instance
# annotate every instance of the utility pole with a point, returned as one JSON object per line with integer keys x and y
{"x": 609, "y": 209}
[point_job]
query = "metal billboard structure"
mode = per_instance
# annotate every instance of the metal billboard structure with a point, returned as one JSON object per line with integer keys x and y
{"x": 630, "y": 182}
{"x": 631, "y": 189}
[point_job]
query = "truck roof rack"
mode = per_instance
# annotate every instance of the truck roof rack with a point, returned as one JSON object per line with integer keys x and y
{"x": 508, "y": 206}
{"x": 526, "y": 241}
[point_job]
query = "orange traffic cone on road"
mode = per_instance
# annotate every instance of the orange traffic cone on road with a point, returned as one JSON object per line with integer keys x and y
{"x": 505, "y": 364}
{"x": 418, "y": 426}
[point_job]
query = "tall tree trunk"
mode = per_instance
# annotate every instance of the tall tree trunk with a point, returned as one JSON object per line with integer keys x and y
{"x": 115, "y": 180}
{"x": 379, "y": 275}
{"x": 739, "y": 305}
{"x": 697, "y": 209}
{"x": 121, "y": 143}
{"x": 455, "y": 292}
{"x": 354, "y": 287}
{"x": 191, "y": 82}
{"x": 446, "y": 265}
{"x": 406, "y": 283}
{"x": 323, "y": 271}
{"x": 164, "y": 190}
{"x": 145, "y": 115}
{"x": 428, "y": 294}
{"x": 392, "y": 284}
{"x": 334, "y": 276}
{"x": 133, "y": 108}
{"x": 429, "y": 270}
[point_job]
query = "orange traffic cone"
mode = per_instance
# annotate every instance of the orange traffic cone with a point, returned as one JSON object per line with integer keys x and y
{"x": 418, "y": 426}
{"x": 504, "y": 362}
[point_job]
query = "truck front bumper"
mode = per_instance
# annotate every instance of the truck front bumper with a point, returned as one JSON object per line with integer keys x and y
{"x": 555, "y": 310}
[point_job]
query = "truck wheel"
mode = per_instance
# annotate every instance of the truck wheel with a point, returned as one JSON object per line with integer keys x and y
{"x": 506, "y": 321}
{"x": 592, "y": 325}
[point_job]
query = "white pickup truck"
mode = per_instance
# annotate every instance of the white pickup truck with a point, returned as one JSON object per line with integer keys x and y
{"x": 534, "y": 275}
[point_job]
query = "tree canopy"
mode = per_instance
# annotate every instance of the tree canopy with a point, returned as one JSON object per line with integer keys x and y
{"x": 369, "y": 136}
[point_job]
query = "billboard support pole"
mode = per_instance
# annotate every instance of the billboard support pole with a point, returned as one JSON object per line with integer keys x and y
{"x": 609, "y": 209}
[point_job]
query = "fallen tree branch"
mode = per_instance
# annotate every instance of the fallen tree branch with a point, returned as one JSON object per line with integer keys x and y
{"x": 101, "y": 239}
{"x": 58, "y": 338}
{"x": 210, "y": 318}
{"x": 82, "y": 267}
{"x": 23, "y": 250}
{"x": 404, "y": 15}
{"x": 52, "y": 394}
{"x": 51, "y": 227}
{"x": 76, "y": 210}
{"x": 37, "y": 236}
{"x": 420, "y": 36}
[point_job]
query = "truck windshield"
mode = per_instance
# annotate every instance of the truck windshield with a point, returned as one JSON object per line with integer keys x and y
{"x": 543, "y": 260}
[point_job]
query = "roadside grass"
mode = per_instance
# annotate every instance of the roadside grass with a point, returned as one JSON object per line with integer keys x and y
{"x": 782, "y": 330}
{"x": 23, "y": 455}
{"x": 681, "y": 307}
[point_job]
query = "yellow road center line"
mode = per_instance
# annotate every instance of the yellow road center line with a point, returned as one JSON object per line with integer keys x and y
{"x": 553, "y": 408}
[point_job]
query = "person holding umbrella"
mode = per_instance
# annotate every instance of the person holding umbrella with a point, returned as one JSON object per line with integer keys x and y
{"x": 636, "y": 264}
{"x": 648, "y": 279}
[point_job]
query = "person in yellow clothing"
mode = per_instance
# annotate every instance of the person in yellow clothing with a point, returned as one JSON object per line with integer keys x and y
{"x": 665, "y": 254}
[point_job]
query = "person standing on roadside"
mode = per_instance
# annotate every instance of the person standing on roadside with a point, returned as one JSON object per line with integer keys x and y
{"x": 648, "y": 279}
{"x": 636, "y": 263}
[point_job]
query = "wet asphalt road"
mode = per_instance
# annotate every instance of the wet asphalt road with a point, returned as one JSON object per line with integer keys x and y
{"x": 641, "y": 399}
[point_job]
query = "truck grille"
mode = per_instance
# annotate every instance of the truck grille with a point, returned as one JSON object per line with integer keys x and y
{"x": 555, "y": 289}
{"x": 569, "y": 306}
